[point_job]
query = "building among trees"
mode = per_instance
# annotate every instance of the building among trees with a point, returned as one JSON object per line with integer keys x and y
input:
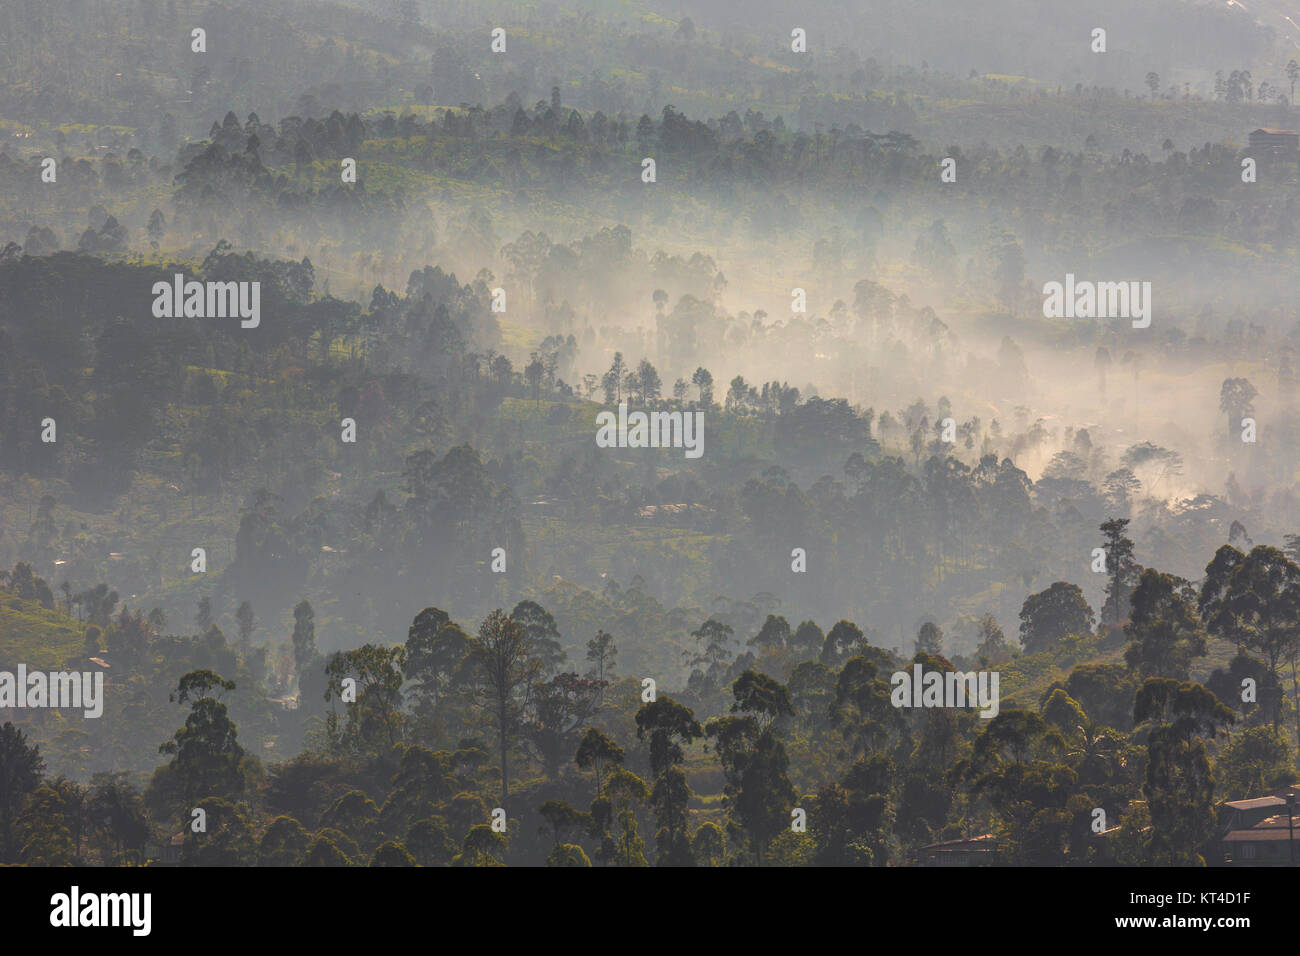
{"x": 1261, "y": 831}
{"x": 1274, "y": 145}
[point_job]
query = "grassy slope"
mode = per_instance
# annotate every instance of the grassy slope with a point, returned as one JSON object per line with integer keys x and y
{"x": 31, "y": 635}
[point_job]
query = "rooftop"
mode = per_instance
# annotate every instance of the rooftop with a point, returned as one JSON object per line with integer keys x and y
{"x": 985, "y": 841}
{"x": 1256, "y": 803}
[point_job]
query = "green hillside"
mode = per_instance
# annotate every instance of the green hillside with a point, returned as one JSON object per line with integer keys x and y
{"x": 35, "y": 636}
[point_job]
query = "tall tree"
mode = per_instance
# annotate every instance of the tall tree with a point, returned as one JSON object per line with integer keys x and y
{"x": 555, "y": 714}
{"x": 1254, "y": 601}
{"x": 843, "y": 641}
{"x": 991, "y": 645}
{"x": 612, "y": 382}
{"x": 21, "y": 768}
{"x": 1050, "y": 615}
{"x": 774, "y": 634}
{"x": 203, "y": 616}
{"x": 929, "y": 640}
{"x": 1236, "y": 397}
{"x": 1164, "y": 627}
{"x": 649, "y": 384}
{"x": 614, "y": 819}
{"x": 373, "y": 718}
{"x": 206, "y": 754}
{"x": 1179, "y": 785}
{"x": 1121, "y": 569}
{"x": 598, "y": 751}
{"x": 118, "y": 822}
{"x": 602, "y": 655}
{"x": 703, "y": 380}
{"x": 669, "y": 725}
{"x": 435, "y": 650}
{"x": 503, "y": 658}
{"x": 247, "y": 622}
{"x": 713, "y": 638}
{"x": 304, "y": 636}
{"x": 758, "y": 791}
{"x": 543, "y": 633}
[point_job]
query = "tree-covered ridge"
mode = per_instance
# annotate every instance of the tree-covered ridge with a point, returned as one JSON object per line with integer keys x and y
{"x": 129, "y": 66}
{"x": 478, "y": 748}
{"x": 467, "y": 450}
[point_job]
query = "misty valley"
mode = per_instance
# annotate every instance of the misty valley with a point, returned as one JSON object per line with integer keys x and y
{"x": 357, "y": 360}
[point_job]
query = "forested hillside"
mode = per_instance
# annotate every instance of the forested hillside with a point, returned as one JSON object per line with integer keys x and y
{"x": 313, "y": 316}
